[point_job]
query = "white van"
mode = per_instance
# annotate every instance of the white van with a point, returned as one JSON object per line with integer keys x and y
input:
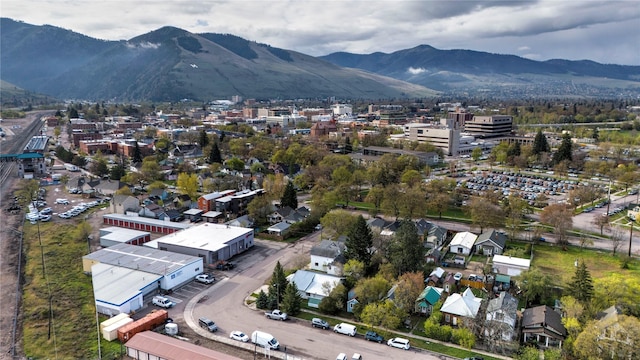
{"x": 346, "y": 329}
{"x": 265, "y": 340}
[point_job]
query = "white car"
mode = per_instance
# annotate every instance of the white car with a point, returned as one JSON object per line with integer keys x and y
{"x": 45, "y": 218}
{"x": 457, "y": 276}
{"x": 205, "y": 278}
{"x": 62, "y": 201}
{"x": 399, "y": 343}
{"x": 239, "y": 335}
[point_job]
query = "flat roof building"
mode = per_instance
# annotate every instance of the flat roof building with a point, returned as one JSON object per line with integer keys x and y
{"x": 152, "y": 345}
{"x": 489, "y": 126}
{"x": 113, "y": 235}
{"x": 211, "y": 242}
{"x": 142, "y": 223}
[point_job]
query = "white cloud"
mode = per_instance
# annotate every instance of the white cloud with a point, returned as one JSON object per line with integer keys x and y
{"x": 415, "y": 71}
{"x": 143, "y": 45}
{"x": 524, "y": 48}
{"x": 577, "y": 29}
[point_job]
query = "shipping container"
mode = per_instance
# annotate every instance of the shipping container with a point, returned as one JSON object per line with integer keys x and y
{"x": 110, "y": 332}
{"x": 149, "y": 322}
{"x": 113, "y": 320}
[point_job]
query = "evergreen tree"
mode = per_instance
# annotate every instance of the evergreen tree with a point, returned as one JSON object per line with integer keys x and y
{"x": 291, "y": 301}
{"x": 214, "y": 154}
{"x": 278, "y": 283}
{"x": 596, "y": 134}
{"x": 204, "y": 139}
{"x": 540, "y": 144}
{"x": 407, "y": 251}
{"x": 359, "y": 242}
{"x": 262, "y": 302}
{"x": 564, "y": 151}
{"x": 137, "y": 154}
{"x": 581, "y": 285}
{"x": 348, "y": 148}
{"x": 289, "y": 197}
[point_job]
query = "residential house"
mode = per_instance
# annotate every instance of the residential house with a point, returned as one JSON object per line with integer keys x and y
{"x": 108, "y": 187}
{"x": 449, "y": 284}
{"x": 391, "y": 228}
{"x": 543, "y": 326}
{"x": 435, "y": 237}
{"x": 376, "y": 224}
{"x": 460, "y": 307}
{"x": 280, "y": 229}
{"x": 491, "y": 242}
{"x": 152, "y": 211}
{"x": 161, "y": 194}
{"x": 427, "y": 299}
{"x": 174, "y": 215}
{"x": 501, "y": 317}
{"x": 120, "y": 204}
{"x": 352, "y": 301}
{"x": 241, "y": 221}
{"x": 182, "y": 201}
{"x": 328, "y": 256}
{"x": 462, "y": 243}
{"x": 510, "y": 266}
{"x": 279, "y": 215}
{"x": 313, "y": 286}
{"x": 433, "y": 255}
{"x": 614, "y": 336}
{"x": 435, "y": 277}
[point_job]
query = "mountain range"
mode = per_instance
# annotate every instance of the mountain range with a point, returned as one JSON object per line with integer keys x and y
{"x": 170, "y": 64}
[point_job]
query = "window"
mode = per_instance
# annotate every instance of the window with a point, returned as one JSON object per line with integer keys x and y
{"x": 447, "y": 318}
{"x": 316, "y": 264}
{"x": 420, "y": 131}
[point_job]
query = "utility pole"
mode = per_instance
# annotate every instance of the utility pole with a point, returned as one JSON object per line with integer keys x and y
{"x": 631, "y": 228}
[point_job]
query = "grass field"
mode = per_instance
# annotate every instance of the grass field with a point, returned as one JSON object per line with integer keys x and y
{"x": 72, "y": 333}
{"x": 560, "y": 264}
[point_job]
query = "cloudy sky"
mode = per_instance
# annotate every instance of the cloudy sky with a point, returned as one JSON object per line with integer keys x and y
{"x": 603, "y": 31}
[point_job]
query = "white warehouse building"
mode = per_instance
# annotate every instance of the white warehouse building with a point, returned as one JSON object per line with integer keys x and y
{"x": 211, "y": 242}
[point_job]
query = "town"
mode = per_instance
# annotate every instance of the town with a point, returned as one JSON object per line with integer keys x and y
{"x": 449, "y": 230}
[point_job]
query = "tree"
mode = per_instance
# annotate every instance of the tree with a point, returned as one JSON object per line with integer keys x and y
{"x": 291, "y": 301}
{"x": 370, "y": 290}
{"x": 528, "y": 353}
{"x": 411, "y": 177}
{"x": 581, "y": 285}
{"x": 188, "y": 184}
{"x": 599, "y": 341}
{"x": 262, "y": 302}
{"x": 560, "y": 217}
{"x": 289, "y": 197}
{"x": 214, "y": 154}
{"x": 137, "y": 154}
{"x": 278, "y": 282}
{"x": 375, "y": 196}
{"x": 410, "y": 285}
{"x": 335, "y": 302}
{"x": 354, "y": 270}
{"x": 412, "y": 203}
{"x": 515, "y": 209}
{"x": 235, "y": 164}
{"x": 535, "y": 285}
{"x": 407, "y": 251}
{"x": 564, "y": 151}
{"x": 359, "y": 242}
{"x": 485, "y": 212}
{"x": 476, "y": 154}
{"x": 204, "y": 139}
{"x": 463, "y": 337}
{"x": 338, "y": 221}
{"x": 392, "y": 200}
{"x": 259, "y": 209}
{"x": 540, "y": 144}
{"x": 382, "y": 313}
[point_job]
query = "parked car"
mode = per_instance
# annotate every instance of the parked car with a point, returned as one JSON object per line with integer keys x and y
{"x": 46, "y": 211}
{"x": 205, "y": 278}
{"x": 225, "y": 266}
{"x": 45, "y": 218}
{"x": 472, "y": 277}
{"x": 373, "y": 336}
{"x": 457, "y": 276}
{"x": 208, "y": 324}
{"x": 341, "y": 356}
{"x": 356, "y": 356}
{"x": 162, "y": 301}
{"x": 62, "y": 201}
{"x": 399, "y": 343}
{"x": 319, "y": 323}
{"x": 276, "y": 315}
{"x": 474, "y": 358}
{"x": 239, "y": 335}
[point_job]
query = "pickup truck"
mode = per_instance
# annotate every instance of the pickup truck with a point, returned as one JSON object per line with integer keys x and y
{"x": 276, "y": 315}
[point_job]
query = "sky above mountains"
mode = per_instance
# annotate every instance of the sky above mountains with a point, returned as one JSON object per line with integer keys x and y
{"x": 604, "y": 31}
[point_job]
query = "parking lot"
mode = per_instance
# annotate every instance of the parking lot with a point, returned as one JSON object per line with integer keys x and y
{"x": 528, "y": 186}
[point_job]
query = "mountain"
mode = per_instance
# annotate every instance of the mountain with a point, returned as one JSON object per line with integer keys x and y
{"x": 170, "y": 64}
{"x": 475, "y": 72}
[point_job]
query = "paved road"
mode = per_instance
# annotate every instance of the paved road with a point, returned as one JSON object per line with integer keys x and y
{"x": 223, "y": 302}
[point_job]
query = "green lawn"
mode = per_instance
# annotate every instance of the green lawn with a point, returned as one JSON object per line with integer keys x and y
{"x": 72, "y": 333}
{"x": 560, "y": 264}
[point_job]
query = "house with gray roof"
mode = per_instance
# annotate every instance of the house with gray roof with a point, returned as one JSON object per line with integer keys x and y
{"x": 328, "y": 257}
{"x": 491, "y": 242}
{"x": 541, "y": 325}
{"x": 501, "y": 318}
{"x": 313, "y": 286}
{"x": 120, "y": 204}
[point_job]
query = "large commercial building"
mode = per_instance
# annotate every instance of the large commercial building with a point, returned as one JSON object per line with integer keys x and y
{"x": 143, "y": 223}
{"x": 445, "y": 137}
{"x": 489, "y": 126}
{"x": 211, "y": 242}
{"x": 123, "y": 274}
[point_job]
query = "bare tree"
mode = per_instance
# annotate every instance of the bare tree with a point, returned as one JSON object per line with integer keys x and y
{"x": 602, "y": 222}
{"x": 560, "y": 217}
{"x": 617, "y": 235}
